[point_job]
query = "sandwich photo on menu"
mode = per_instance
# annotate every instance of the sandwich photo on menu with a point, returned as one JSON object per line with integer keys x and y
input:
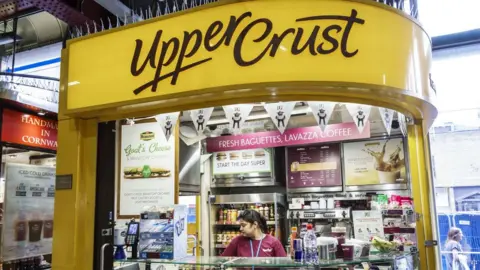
{"x": 234, "y": 156}
{"x": 221, "y": 156}
{"x": 260, "y": 154}
{"x": 145, "y": 172}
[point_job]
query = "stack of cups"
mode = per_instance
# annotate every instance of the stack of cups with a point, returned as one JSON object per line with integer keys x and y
{"x": 298, "y": 250}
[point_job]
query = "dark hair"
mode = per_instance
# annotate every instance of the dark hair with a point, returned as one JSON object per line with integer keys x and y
{"x": 251, "y": 216}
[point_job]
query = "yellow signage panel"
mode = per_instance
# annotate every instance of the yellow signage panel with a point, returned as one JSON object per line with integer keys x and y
{"x": 244, "y": 43}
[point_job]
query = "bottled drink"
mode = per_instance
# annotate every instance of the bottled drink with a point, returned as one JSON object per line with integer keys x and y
{"x": 310, "y": 245}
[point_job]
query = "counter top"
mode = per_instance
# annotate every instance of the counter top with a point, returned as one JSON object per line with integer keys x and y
{"x": 234, "y": 262}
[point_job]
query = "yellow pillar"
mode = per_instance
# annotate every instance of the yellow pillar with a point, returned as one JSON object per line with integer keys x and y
{"x": 421, "y": 191}
{"x": 75, "y": 208}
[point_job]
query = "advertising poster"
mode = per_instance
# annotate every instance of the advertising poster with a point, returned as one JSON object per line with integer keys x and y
{"x": 314, "y": 166}
{"x": 374, "y": 162}
{"x": 242, "y": 162}
{"x": 148, "y": 168}
{"x": 367, "y": 224}
{"x": 28, "y": 211}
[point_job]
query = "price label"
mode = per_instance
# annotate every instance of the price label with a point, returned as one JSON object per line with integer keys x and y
{"x": 298, "y": 201}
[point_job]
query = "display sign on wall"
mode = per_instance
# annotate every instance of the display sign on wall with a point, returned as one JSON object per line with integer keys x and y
{"x": 294, "y": 136}
{"x": 374, "y": 162}
{"x": 148, "y": 168}
{"x": 242, "y": 162}
{"x": 314, "y": 166}
{"x": 29, "y": 130}
{"x": 367, "y": 224}
{"x": 28, "y": 211}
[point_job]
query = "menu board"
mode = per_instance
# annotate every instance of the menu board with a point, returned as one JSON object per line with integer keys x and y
{"x": 148, "y": 168}
{"x": 242, "y": 162}
{"x": 314, "y": 166}
{"x": 28, "y": 212}
{"x": 374, "y": 162}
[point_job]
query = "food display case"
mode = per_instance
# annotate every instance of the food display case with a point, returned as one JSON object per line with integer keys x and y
{"x": 225, "y": 209}
{"x": 404, "y": 261}
{"x": 163, "y": 234}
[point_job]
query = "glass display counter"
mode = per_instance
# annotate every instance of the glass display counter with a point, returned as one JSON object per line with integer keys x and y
{"x": 390, "y": 261}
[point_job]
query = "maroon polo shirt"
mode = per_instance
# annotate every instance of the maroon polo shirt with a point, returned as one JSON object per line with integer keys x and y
{"x": 240, "y": 247}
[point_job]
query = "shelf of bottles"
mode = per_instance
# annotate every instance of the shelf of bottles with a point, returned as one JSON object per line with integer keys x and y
{"x": 226, "y": 227}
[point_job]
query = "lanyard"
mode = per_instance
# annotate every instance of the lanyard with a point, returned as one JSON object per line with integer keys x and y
{"x": 258, "y": 249}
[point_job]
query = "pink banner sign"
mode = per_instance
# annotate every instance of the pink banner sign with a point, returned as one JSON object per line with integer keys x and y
{"x": 295, "y": 136}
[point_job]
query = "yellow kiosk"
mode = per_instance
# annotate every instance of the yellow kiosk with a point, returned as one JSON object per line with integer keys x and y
{"x": 232, "y": 52}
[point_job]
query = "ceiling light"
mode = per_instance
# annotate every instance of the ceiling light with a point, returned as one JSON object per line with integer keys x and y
{"x": 12, "y": 156}
{"x": 41, "y": 113}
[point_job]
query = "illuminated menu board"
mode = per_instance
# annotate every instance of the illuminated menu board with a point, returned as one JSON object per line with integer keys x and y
{"x": 314, "y": 166}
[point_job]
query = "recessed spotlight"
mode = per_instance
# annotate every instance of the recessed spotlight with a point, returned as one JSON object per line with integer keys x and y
{"x": 41, "y": 113}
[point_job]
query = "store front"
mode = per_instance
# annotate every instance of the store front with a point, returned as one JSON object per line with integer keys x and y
{"x": 27, "y": 187}
{"x": 300, "y": 54}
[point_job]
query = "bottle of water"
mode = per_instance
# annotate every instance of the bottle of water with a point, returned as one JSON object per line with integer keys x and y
{"x": 310, "y": 245}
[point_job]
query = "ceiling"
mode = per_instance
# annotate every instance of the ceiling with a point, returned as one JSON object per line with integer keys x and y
{"x": 42, "y": 22}
{"x": 47, "y": 21}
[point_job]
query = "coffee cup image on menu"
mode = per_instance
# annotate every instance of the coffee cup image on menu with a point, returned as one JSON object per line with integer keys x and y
{"x": 388, "y": 165}
{"x": 145, "y": 172}
{"x": 34, "y": 229}
{"x": 294, "y": 166}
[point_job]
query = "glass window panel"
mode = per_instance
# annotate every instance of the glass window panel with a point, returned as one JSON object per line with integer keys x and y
{"x": 455, "y": 149}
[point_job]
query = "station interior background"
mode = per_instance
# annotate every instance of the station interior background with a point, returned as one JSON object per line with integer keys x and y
{"x": 454, "y": 139}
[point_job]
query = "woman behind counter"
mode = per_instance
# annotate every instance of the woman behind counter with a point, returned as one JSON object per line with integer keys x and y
{"x": 254, "y": 240}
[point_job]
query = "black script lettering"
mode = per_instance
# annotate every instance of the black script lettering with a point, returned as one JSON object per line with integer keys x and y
{"x": 237, "y": 50}
{"x": 353, "y": 19}
{"x": 228, "y": 35}
{"x": 175, "y": 51}
{"x": 232, "y": 26}
{"x": 150, "y": 57}
{"x": 163, "y": 62}
{"x": 310, "y": 42}
{"x": 346, "y": 33}
{"x": 183, "y": 51}
{"x": 277, "y": 40}
{"x": 212, "y": 31}
{"x": 326, "y": 35}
